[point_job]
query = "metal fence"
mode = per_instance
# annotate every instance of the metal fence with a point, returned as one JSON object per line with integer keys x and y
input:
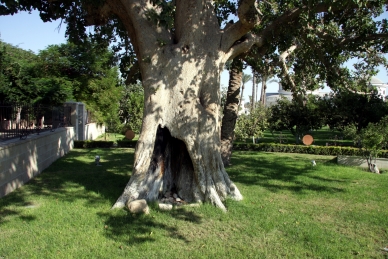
{"x": 19, "y": 121}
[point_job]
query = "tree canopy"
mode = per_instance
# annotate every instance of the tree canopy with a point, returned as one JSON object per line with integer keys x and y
{"x": 59, "y": 73}
{"x": 325, "y": 33}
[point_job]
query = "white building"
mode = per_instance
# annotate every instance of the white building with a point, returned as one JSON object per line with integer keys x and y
{"x": 272, "y": 98}
{"x": 380, "y": 86}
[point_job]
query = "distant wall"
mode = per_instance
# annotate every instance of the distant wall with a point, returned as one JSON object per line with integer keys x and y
{"x": 79, "y": 120}
{"x": 21, "y": 160}
{"x": 93, "y": 130}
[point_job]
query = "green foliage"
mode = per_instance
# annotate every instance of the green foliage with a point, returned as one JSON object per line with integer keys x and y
{"x": 23, "y": 81}
{"x": 131, "y": 107}
{"x": 371, "y": 139}
{"x": 59, "y": 73}
{"x": 301, "y": 149}
{"x": 299, "y": 119}
{"x": 90, "y": 70}
{"x": 165, "y": 18}
{"x": 353, "y": 109}
{"x": 252, "y": 124}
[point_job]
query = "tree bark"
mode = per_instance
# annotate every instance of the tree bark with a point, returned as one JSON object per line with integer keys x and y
{"x": 179, "y": 145}
{"x": 231, "y": 110}
{"x": 263, "y": 90}
{"x": 253, "y": 89}
{"x": 242, "y": 96}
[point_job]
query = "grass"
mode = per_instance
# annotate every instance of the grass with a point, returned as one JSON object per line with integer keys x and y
{"x": 290, "y": 210}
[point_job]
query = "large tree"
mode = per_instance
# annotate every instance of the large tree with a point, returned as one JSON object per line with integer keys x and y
{"x": 181, "y": 48}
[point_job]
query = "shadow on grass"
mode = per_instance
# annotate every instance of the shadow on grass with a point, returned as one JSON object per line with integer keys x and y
{"x": 76, "y": 177}
{"x": 73, "y": 177}
{"x": 279, "y": 173}
{"x": 134, "y": 229}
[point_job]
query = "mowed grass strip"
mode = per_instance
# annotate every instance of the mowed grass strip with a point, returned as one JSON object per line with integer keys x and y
{"x": 290, "y": 210}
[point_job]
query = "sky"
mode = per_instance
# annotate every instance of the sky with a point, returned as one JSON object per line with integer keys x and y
{"x": 29, "y": 32}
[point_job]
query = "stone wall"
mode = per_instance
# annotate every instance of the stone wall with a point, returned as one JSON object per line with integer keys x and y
{"x": 381, "y": 163}
{"x": 79, "y": 120}
{"x": 21, "y": 160}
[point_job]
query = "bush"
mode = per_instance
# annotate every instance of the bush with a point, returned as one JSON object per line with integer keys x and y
{"x": 126, "y": 143}
{"x": 92, "y": 144}
{"x": 316, "y": 150}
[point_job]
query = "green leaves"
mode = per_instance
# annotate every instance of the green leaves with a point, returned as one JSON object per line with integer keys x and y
{"x": 371, "y": 139}
{"x": 253, "y": 124}
{"x": 131, "y": 106}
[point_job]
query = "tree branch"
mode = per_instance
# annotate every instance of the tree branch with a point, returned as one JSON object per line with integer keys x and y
{"x": 282, "y": 60}
{"x": 244, "y": 45}
{"x": 248, "y": 16}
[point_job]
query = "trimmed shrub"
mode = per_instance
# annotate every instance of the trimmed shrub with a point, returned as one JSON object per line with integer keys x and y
{"x": 126, "y": 143}
{"x": 92, "y": 144}
{"x": 316, "y": 150}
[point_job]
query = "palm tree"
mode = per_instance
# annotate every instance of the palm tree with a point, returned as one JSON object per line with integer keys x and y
{"x": 253, "y": 90}
{"x": 245, "y": 79}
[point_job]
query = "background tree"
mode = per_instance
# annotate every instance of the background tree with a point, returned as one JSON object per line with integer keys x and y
{"x": 253, "y": 124}
{"x": 131, "y": 107}
{"x": 89, "y": 70}
{"x": 371, "y": 139}
{"x": 231, "y": 108}
{"x": 22, "y": 81}
{"x": 290, "y": 115}
{"x": 245, "y": 79}
{"x": 347, "y": 108}
{"x": 253, "y": 100}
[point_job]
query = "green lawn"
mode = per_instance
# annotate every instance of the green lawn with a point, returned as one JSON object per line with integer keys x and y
{"x": 290, "y": 210}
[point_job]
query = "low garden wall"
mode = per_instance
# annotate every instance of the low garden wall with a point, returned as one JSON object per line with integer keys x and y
{"x": 21, "y": 160}
{"x": 381, "y": 163}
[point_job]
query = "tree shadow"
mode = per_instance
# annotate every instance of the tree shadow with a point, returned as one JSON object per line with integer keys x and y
{"x": 75, "y": 176}
{"x": 282, "y": 173}
{"x": 132, "y": 229}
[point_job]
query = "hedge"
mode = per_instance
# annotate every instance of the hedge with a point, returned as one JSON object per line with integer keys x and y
{"x": 266, "y": 147}
{"x": 126, "y": 143}
{"x": 316, "y": 150}
{"x": 92, "y": 144}
{"x": 103, "y": 144}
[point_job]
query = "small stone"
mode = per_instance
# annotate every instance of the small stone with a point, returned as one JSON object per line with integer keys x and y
{"x": 164, "y": 206}
{"x": 138, "y": 206}
{"x": 167, "y": 194}
{"x": 178, "y": 199}
{"x": 171, "y": 199}
{"x": 175, "y": 195}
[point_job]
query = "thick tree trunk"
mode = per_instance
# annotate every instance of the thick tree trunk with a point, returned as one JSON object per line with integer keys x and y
{"x": 231, "y": 110}
{"x": 179, "y": 146}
